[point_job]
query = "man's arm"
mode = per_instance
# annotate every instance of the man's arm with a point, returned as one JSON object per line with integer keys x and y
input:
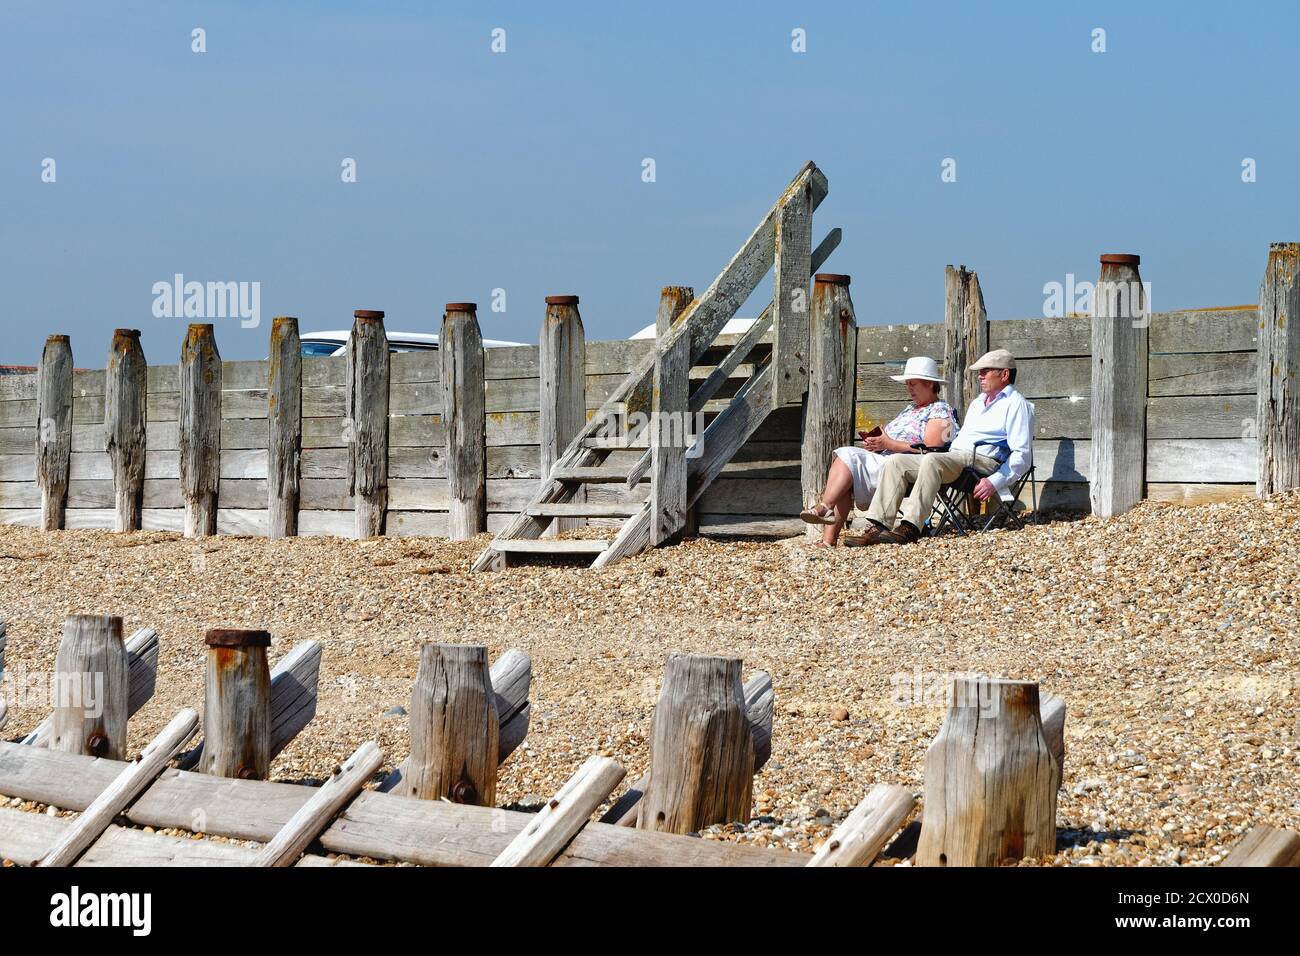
{"x": 1020, "y": 439}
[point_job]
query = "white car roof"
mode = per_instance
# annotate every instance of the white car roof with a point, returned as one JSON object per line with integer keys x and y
{"x": 340, "y": 336}
{"x": 733, "y": 327}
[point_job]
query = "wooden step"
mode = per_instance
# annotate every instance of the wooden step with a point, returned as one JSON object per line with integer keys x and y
{"x": 551, "y": 545}
{"x": 615, "y": 443}
{"x": 583, "y": 509}
{"x": 594, "y": 475}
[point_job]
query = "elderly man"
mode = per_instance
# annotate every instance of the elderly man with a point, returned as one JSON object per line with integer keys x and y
{"x": 995, "y": 439}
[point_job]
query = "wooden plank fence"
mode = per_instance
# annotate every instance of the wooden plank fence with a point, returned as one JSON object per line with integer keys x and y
{"x": 1200, "y": 417}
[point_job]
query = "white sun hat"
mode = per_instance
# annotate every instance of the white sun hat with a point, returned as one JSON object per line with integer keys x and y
{"x": 922, "y": 367}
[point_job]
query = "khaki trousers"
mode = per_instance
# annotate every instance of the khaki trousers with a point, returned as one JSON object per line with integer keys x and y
{"x": 923, "y": 474}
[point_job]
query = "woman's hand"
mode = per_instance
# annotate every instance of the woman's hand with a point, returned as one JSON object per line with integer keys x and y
{"x": 879, "y": 443}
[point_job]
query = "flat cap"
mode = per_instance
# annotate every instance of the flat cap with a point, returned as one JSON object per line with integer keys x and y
{"x": 998, "y": 358}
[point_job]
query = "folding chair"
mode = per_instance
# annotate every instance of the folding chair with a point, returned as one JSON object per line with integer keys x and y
{"x": 951, "y": 505}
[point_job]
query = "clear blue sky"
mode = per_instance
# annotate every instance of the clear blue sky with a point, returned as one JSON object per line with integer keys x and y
{"x": 522, "y": 170}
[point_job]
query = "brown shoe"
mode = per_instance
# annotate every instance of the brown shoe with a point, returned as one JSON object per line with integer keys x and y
{"x": 868, "y": 537}
{"x": 903, "y": 533}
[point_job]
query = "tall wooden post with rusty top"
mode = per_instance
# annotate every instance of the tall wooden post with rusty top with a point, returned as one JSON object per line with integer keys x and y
{"x": 832, "y": 383}
{"x": 1278, "y": 393}
{"x": 461, "y": 348}
{"x": 237, "y": 705}
{"x": 367, "y": 422}
{"x": 283, "y": 428}
{"x": 562, "y": 362}
{"x": 199, "y": 437}
{"x": 54, "y": 429}
{"x": 1119, "y": 387}
{"x": 125, "y": 411}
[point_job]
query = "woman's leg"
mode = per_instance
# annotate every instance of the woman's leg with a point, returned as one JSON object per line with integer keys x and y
{"x": 838, "y": 496}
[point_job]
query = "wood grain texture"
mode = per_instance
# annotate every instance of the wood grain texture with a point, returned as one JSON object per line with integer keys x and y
{"x": 701, "y": 748}
{"x": 237, "y": 705}
{"x": 1278, "y": 383}
{"x": 454, "y": 727}
{"x": 93, "y": 680}
{"x": 199, "y": 432}
{"x": 990, "y": 779}
{"x": 126, "y": 405}
{"x": 315, "y": 815}
{"x": 284, "y": 428}
{"x": 1119, "y": 391}
{"x": 669, "y": 437}
{"x": 966, "y": 335}
{"x": 129, "y": 784}
{"x": 1265, "y": 846}
{"x": 566, "y": 813}
{"x": 863, "y": 834}
{"x": 792, "y": 256}
{"x": 53, "y": 416}
{"x": 760, "y": 702}
{"x": 562, "y": 385}
{"x": 461, "y": 349}
{"x": 832, "y": 366}
{"x": 367, "y": 430}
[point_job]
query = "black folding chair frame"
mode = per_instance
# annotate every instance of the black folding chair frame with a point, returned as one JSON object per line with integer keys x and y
{"x": 951, "y": 501}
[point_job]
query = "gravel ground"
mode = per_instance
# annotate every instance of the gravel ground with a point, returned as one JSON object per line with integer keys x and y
{"x": 1170, "y": 632}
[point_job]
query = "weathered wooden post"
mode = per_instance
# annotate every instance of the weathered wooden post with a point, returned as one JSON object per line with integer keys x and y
{"x": 54, "y": 429}
{"x": 669, "y": 420}
{"x": 92, "y": 688}
{"x": 990, "y": 779}
{"x": 237, "y": 705}
{"x": 792, "y": 263}
{"x": 674, "y": 300}
{"x": 199, "y": 437}
{"x": 1119, "y": 387}
{"x": 1278, "y": 363}
{"x": 366, "y": 422}
{"x": 461, "y": 348}
{"x": 701, "y": 748}
{"x": 562, "y": 357}
{"x": 125, "y": 412}
{"x": 454, "y": 727}
{"x": 284, "y": 427}
{"x": 966, "y": 334}
{"x": 832, "y": 383}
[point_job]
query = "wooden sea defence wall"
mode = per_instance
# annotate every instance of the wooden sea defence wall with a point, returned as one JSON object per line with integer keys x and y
{"x": 1200, "y": 399}
{"x": 417, "y": 445}
{"x": 1200, "y": 440}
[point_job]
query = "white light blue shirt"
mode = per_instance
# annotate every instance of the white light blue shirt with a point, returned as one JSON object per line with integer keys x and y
{"x": 1004, "y": 429}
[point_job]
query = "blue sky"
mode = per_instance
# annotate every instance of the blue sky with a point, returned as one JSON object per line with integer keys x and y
{"x": 522, "y": 170}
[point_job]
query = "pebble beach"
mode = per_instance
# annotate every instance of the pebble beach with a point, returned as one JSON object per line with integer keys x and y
{"x": 1170, "y": 632}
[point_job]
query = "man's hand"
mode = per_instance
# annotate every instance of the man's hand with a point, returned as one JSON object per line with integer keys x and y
{"x": 985, "y": 490}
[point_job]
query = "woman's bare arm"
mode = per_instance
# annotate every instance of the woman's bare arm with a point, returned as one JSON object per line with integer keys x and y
{"x": 937, "y": 431}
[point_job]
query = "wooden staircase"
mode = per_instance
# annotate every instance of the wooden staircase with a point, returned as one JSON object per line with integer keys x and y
{"x": 650, "y": 410}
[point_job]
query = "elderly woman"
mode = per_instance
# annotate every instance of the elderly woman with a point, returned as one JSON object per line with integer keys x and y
{"x": 855, "y": 471}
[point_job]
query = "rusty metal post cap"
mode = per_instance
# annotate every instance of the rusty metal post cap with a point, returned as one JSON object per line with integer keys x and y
{"x": 561, "y": 300}
{"x": 285, "y": 318}
{"x": 61, "y": 338}
{"x": 462, "y": 307}
{"x": 367, "y": 314}
{"x": 201, "y": 328}
{"x": 1120, "y": 259}
{"x": 833, "y": 278}
{"x": 129, "y": 333}
{"x": 235, "y": 637}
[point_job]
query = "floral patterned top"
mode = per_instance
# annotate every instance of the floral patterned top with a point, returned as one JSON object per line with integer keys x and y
{"x": 910, "y": 424}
